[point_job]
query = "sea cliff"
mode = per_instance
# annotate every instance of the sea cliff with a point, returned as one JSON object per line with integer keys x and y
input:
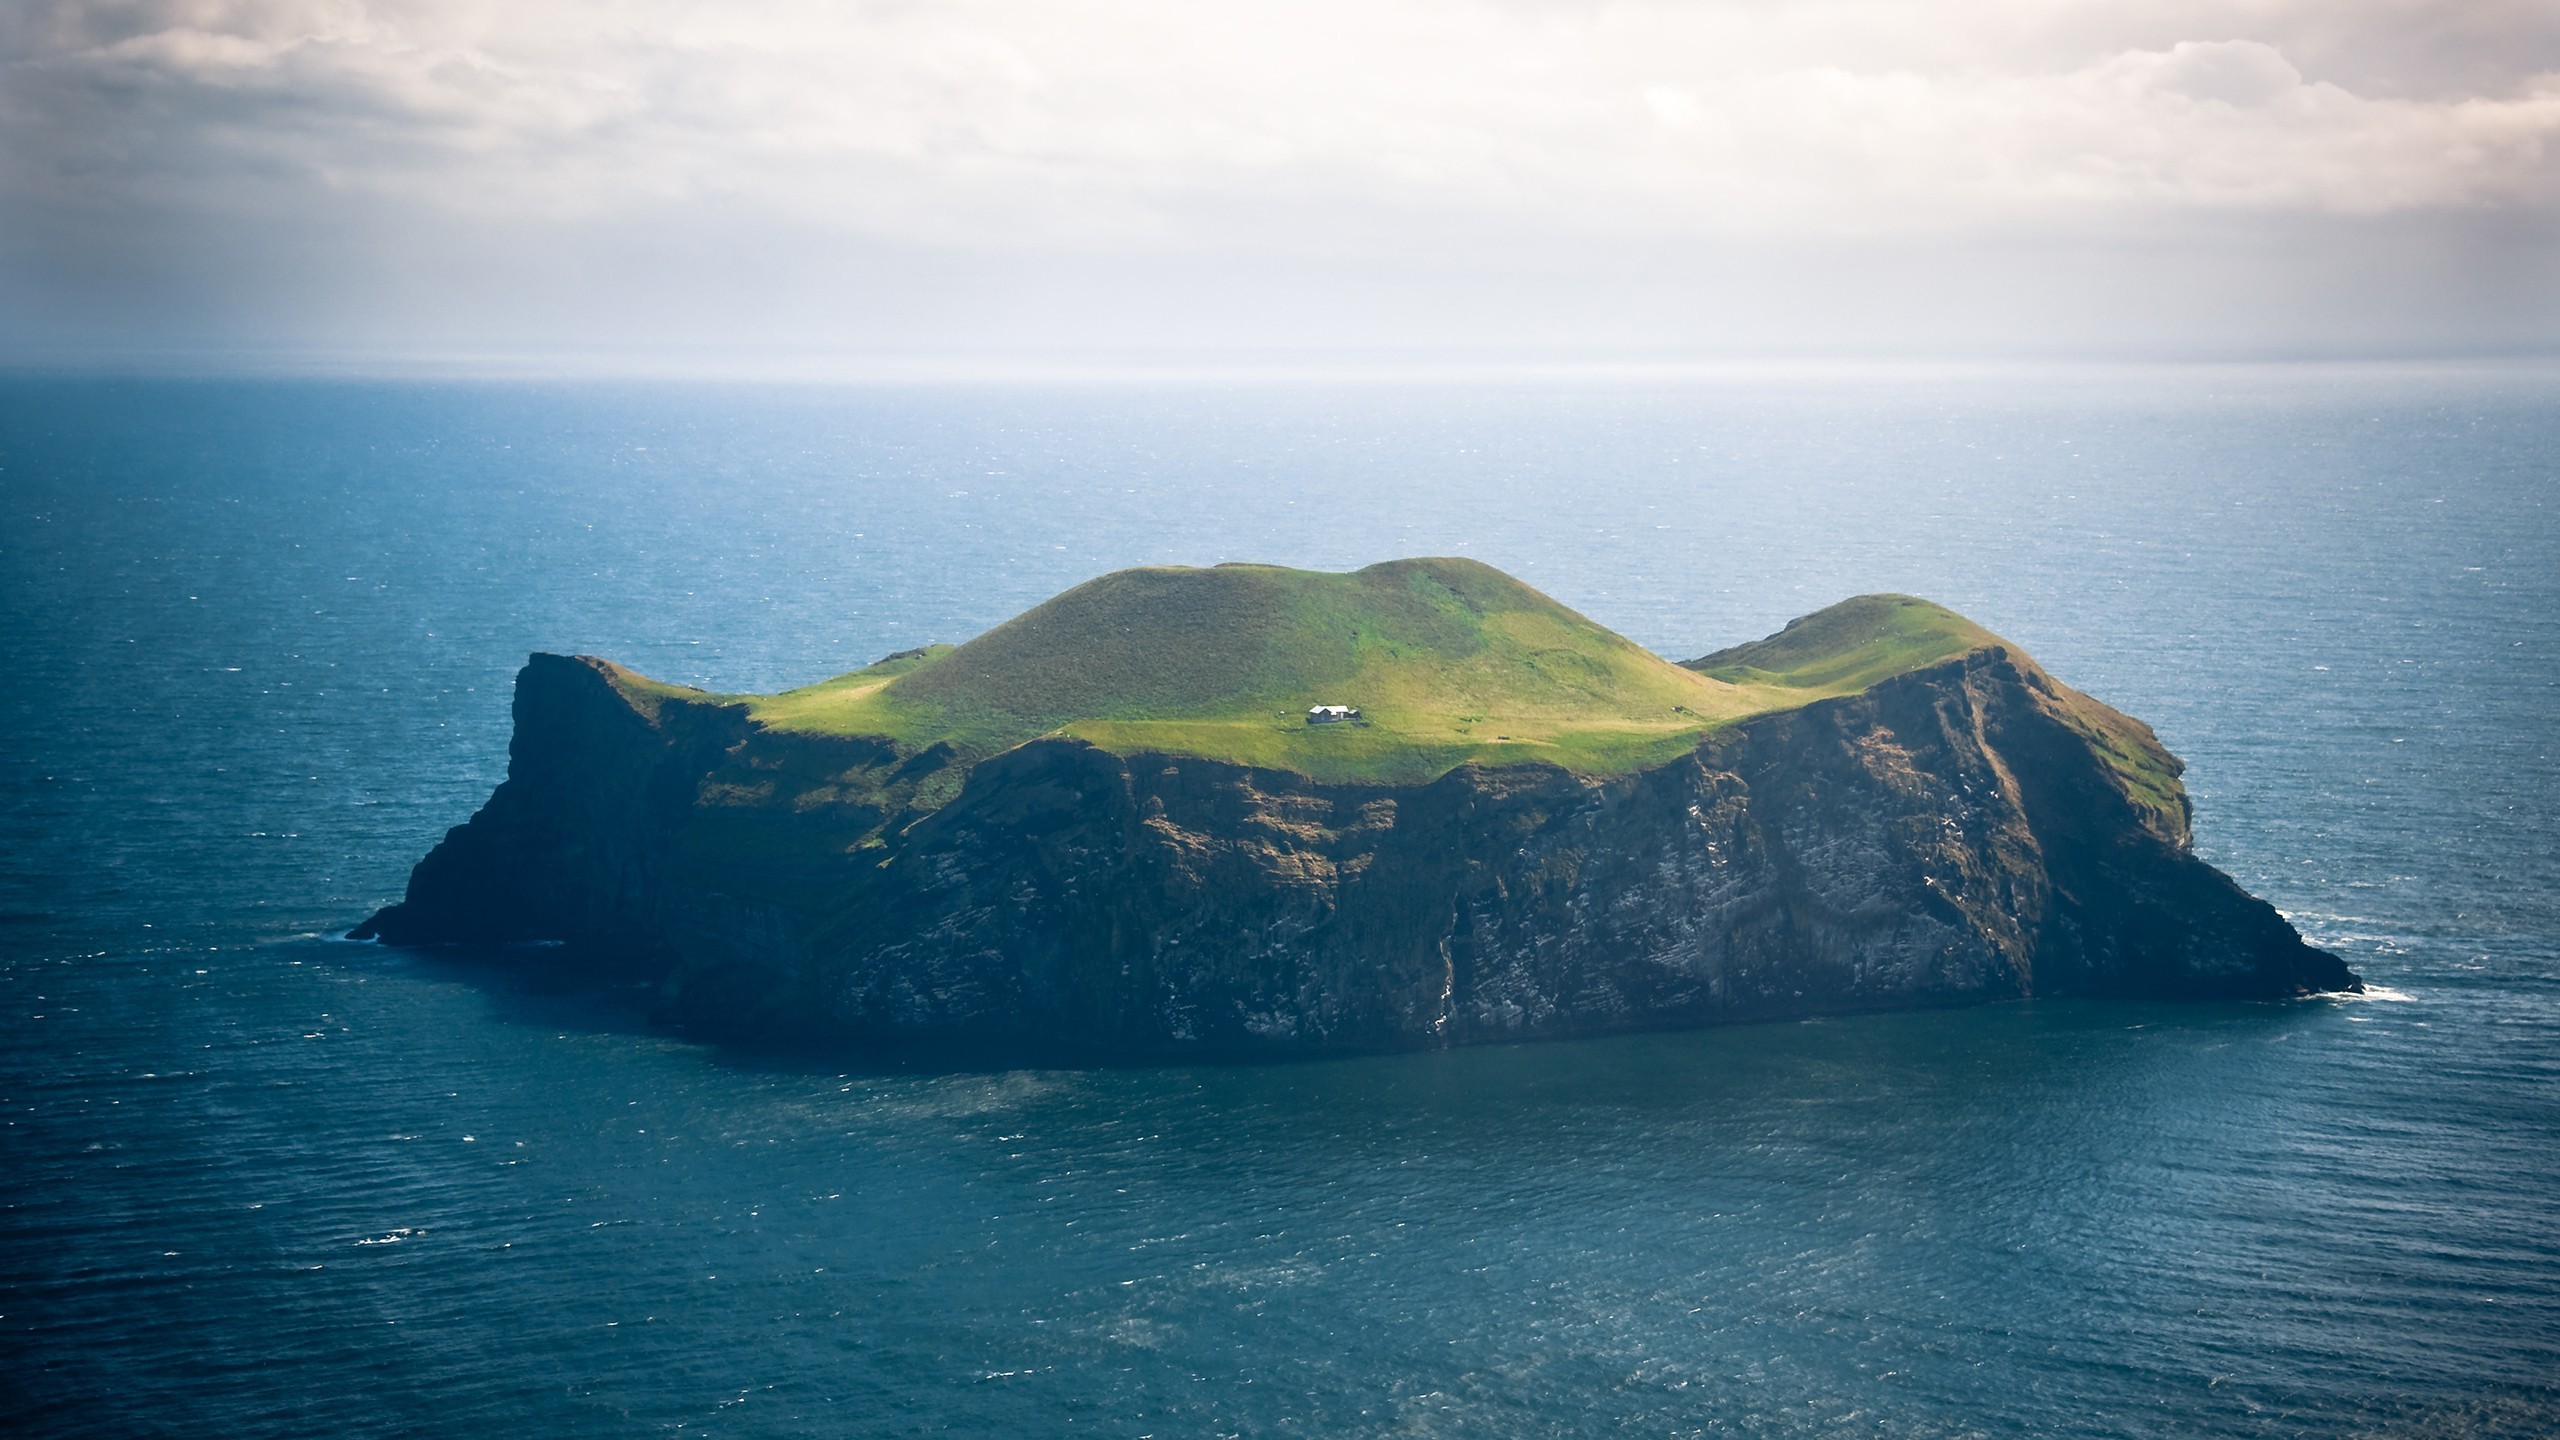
{"x": 1960, "y": 830}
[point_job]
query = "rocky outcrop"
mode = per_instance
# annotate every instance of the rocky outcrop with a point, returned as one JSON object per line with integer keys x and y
{"x": 1959, "y": 833}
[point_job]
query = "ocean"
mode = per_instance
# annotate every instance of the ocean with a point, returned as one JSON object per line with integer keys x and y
{"x": 256, "y": 1180}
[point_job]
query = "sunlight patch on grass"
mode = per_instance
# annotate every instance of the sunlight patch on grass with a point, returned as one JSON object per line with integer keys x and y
{"x": 1450, "y": 661}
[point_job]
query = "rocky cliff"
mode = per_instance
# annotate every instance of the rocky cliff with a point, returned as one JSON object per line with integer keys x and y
{"x": 1962, "y": 831}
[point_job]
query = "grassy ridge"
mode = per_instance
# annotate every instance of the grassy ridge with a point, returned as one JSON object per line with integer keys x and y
{"x": 1849, "y": 646}
{"x": 1450, "y": 661}
{"x": 1858, "y": 642}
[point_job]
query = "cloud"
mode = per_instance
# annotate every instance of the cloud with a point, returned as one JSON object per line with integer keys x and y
{"x": 1324, "y": 129}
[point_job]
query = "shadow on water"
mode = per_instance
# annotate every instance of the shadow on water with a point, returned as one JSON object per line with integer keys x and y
{"x": 2051, "y": 1053}
{"x": 536, "y": 985}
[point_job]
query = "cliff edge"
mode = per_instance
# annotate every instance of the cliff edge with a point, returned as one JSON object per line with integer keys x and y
{"x": 1074, "y": 838}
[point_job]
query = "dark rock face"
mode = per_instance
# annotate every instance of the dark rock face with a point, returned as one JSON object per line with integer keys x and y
{"x": 1948, "y": 836}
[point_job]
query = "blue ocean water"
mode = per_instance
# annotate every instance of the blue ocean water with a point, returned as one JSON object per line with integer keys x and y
{"x": 262, "y": 1182}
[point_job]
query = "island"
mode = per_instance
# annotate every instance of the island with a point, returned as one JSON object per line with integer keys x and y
{"x": 1248, "y": 810}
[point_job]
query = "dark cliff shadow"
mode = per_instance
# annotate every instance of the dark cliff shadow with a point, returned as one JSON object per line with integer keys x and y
{"x": 542, "y": 985}
{"x": 536, "y": 984}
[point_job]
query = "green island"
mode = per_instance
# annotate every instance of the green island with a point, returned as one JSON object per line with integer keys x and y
{"x": 1111, "y": 827}
{"x": 1449, "y": 662}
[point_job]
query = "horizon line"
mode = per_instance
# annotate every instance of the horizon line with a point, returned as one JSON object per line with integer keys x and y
{"x": 1098, "y": 365}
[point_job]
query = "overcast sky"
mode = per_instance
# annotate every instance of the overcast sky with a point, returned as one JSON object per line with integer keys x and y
{"x": 1718, "y": 178}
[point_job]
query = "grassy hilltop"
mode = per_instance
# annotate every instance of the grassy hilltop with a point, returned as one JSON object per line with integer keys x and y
{"x": 1449, "y": 661}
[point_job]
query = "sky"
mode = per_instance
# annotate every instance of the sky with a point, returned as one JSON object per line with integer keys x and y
{"x": 636, "y": 182}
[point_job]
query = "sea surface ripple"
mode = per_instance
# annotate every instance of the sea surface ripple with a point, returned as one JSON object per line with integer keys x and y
{"x": 255, "y": 1181}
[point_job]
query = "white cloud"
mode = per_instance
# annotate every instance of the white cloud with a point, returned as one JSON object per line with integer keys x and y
{"x": 1324, "y": 127}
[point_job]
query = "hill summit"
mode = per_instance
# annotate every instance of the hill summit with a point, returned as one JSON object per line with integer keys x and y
{"x": 1449, "y": 661}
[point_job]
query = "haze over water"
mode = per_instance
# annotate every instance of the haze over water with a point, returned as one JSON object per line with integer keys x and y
{"x": 261, "y": 1182}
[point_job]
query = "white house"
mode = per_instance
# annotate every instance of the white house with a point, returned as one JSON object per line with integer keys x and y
{"x": 1330, "y": 714}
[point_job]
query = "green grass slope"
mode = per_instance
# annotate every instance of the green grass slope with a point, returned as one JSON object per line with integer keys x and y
{"x": 1858, "y": 642}
{"x": 1449, "y": 661}
{"x": 1849, "y": 646}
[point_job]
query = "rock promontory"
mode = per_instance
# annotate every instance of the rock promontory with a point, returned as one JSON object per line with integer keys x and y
{"x": 1106, "y": 830}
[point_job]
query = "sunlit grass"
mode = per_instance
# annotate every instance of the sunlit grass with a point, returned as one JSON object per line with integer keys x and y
{"x": 1450, "y": 662}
